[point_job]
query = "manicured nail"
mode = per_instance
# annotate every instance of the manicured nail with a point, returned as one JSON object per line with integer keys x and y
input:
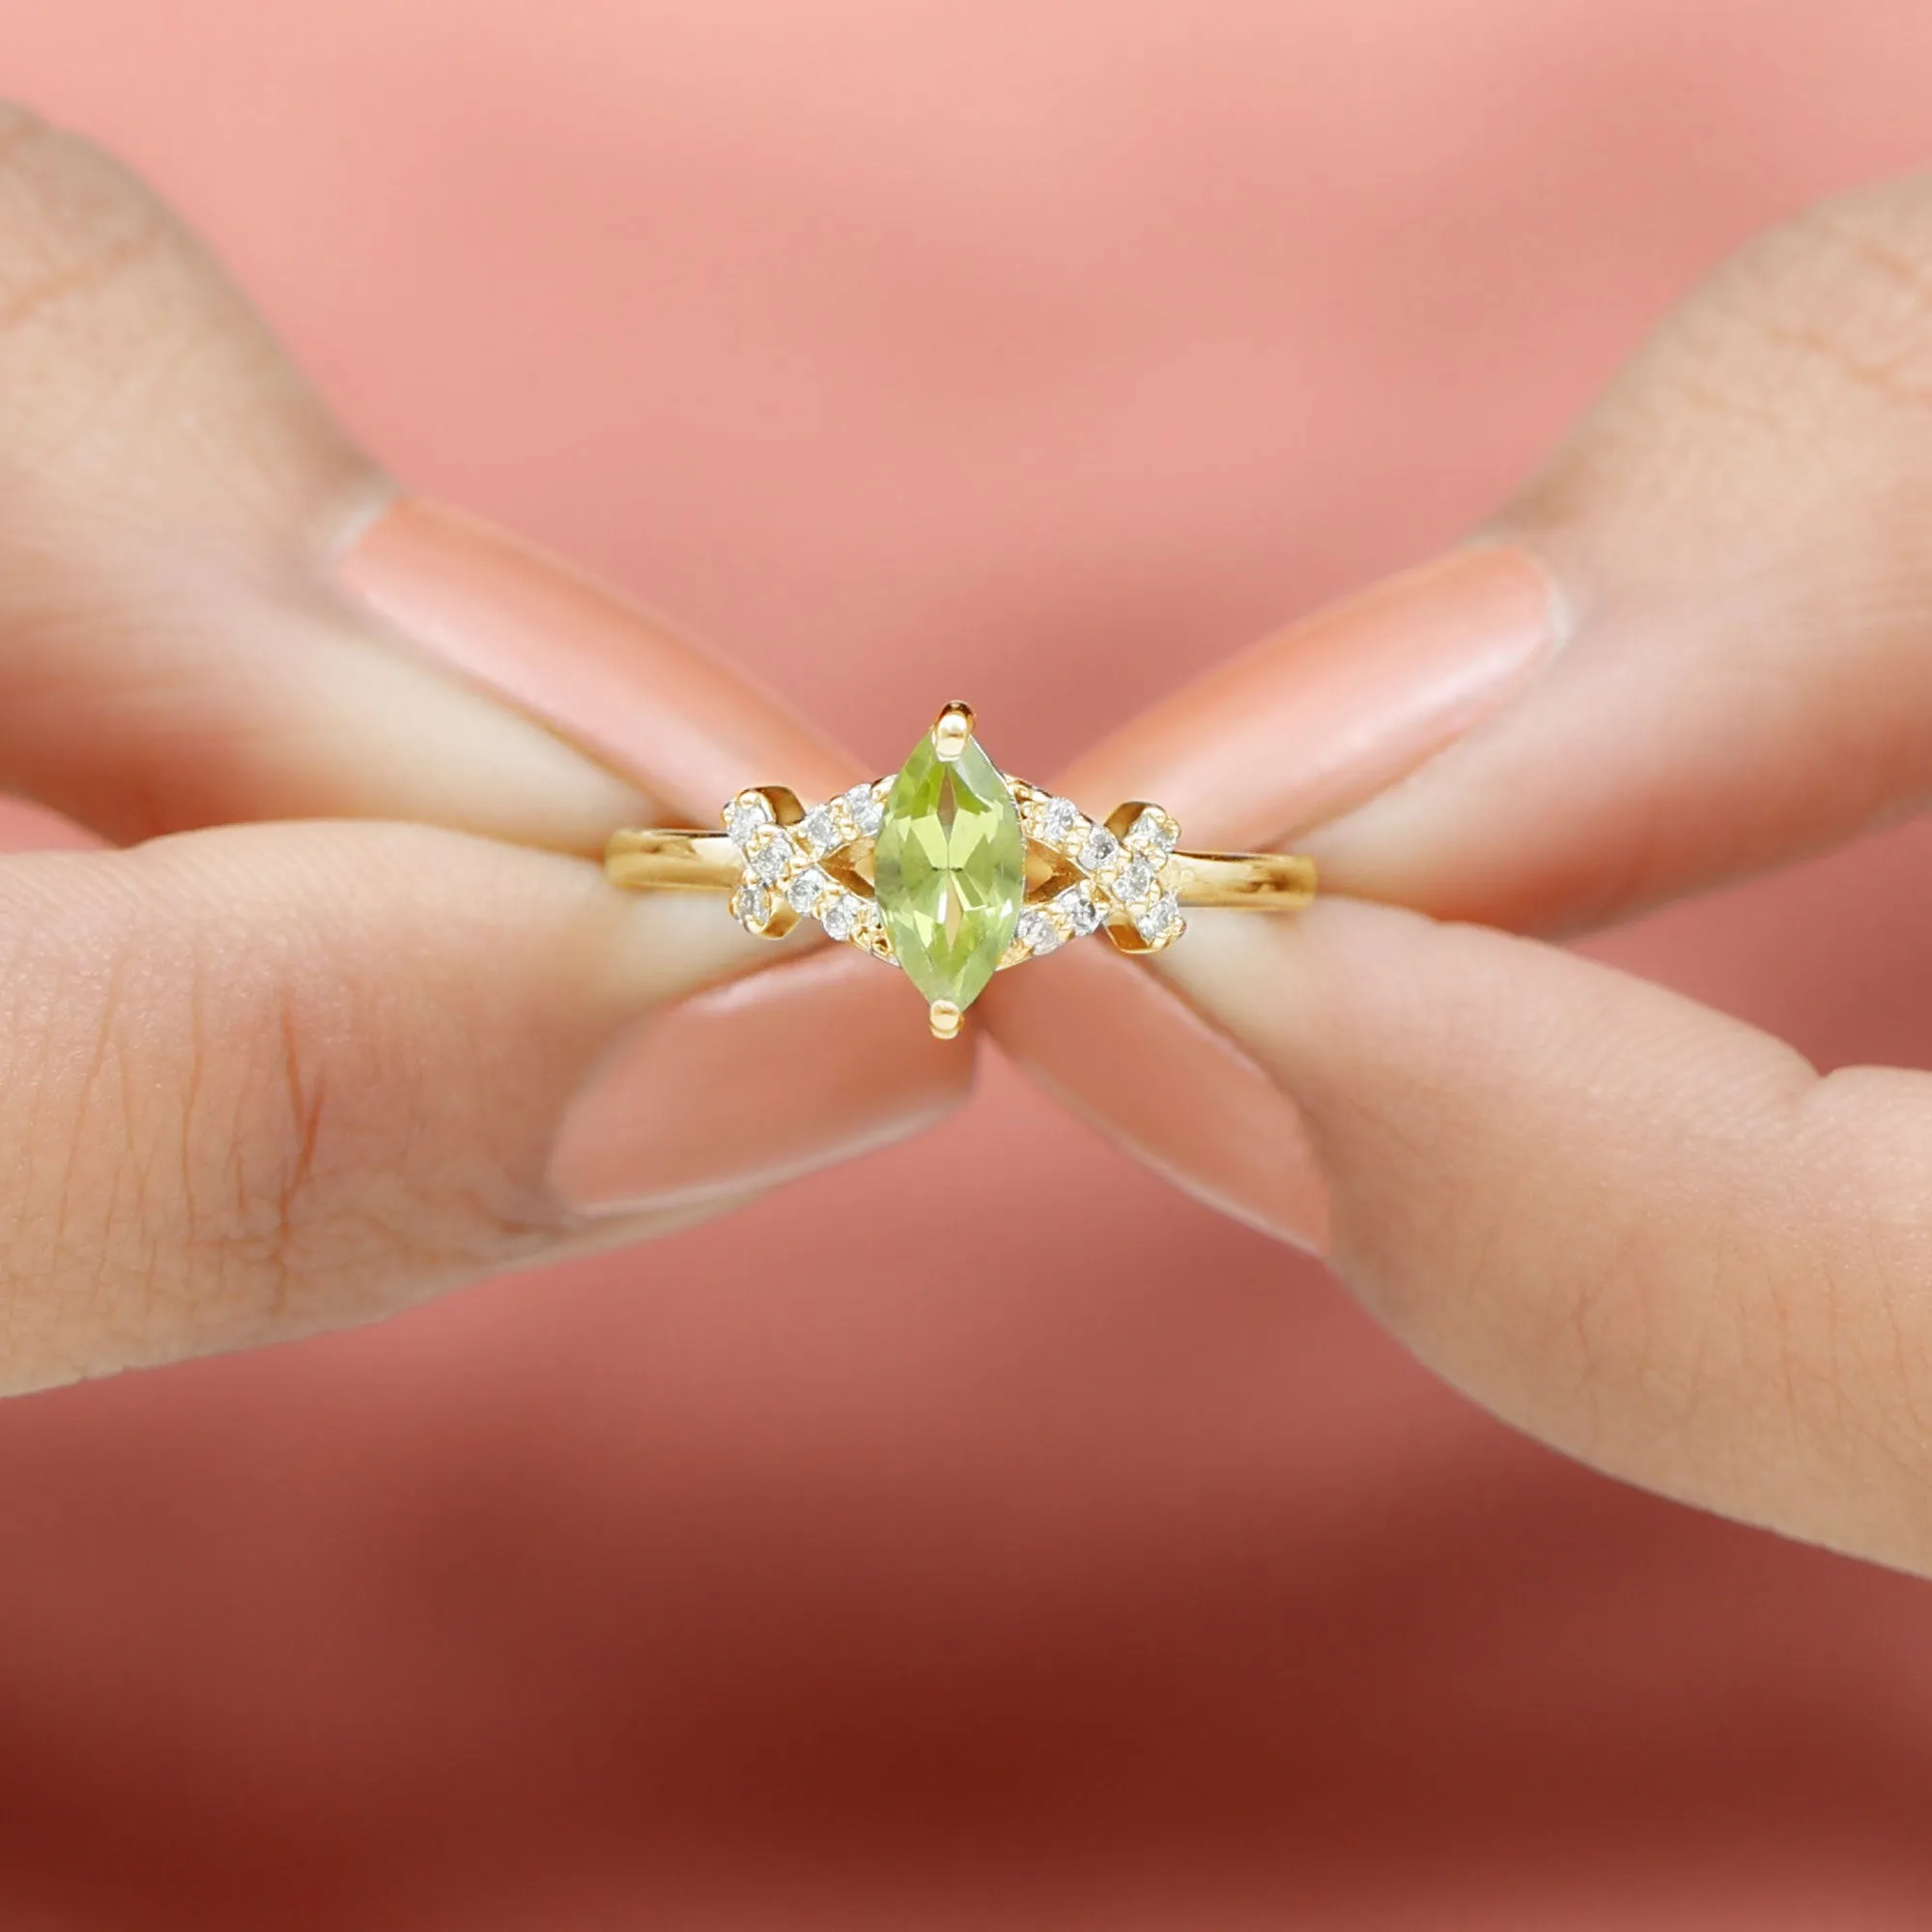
{"x": 1293, "y": 733}
{"x": 1338, "y": 707}
{"x": 1119, "y": 1047}
{"x": 604, "y": 673}
{"x": 753, "y": 1083}
{"x": 742, "y": 1086}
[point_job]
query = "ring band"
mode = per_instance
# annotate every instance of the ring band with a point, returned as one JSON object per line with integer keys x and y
{"x": 953, "y": 869}
{"x": 666, "y": 859}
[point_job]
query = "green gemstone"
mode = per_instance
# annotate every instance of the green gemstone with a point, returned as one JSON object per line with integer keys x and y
{"x": 950, "y": 870}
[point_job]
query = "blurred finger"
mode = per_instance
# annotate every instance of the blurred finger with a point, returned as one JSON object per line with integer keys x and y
{"x": 1697, "y": 643}
{"x": 1640, "y": 1230}
{"x": 212, "y": 609}
{"x": 268, "y": 1080}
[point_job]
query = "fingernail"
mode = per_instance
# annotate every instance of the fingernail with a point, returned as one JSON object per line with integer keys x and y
{"x": 1294, "y": 733}
{"x": 753, "y": 1083}
{"x": 1122, "y": 1049}
{"x": 567, "y": 650}
{"x": 1338, "y": 707}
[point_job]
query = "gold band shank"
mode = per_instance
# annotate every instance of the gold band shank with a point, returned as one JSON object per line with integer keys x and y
{"x": 670, "y": 859}
{"x": 1266, "y": 881}
{"x": 678, "y": 860}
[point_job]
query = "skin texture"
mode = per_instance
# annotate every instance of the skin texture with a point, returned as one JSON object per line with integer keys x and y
{"x": 1676, "y": 727}
{"x": 1639, "y": 1231}
{"x": 254, "y": 1084}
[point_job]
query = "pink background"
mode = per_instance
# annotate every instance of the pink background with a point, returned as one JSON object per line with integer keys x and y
{"x": 1118, "y": 1573}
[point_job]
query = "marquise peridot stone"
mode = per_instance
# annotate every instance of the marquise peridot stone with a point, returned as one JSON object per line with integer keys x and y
{"x": 950, "y": 870}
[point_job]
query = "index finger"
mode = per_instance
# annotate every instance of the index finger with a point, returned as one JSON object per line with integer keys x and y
{"x": 1695, "y": 645}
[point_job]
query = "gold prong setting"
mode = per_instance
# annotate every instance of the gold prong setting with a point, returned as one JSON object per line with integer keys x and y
{"x": 1129, "y": 877}
{"x": 1127, "y": 882}
{"x": 1045, "y": 927}
{"x": 952, "y": 730}
{"x": 952, "y": 869}
{"x": 783, "y": 880}
{"x": 1123, "y": 870}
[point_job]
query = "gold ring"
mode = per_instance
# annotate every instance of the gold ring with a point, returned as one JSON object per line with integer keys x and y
{"x": 953, "y": 869}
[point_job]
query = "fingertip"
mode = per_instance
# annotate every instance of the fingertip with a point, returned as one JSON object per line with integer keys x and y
{"x": 753, "y": 1083}
{"x": 1316, "y": 719}
{"x": 567, "y": 650}
{"x": 1158, "y": 1075}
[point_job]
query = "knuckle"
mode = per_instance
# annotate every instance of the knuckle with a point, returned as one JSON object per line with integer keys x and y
{"x": 1861, "y": 1139}
{"x": 1843, "y": 294}
{"x": 1820, "y": 327}
{"x": 210, "y": 1152}
{"x": 72, "y": 220}
{"x": 312, "y": 1168}
{"x": 1783, "y": 405}
{"x": 119, "y": 329}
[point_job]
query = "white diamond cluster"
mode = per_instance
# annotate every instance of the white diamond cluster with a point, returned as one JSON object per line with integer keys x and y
{"x": 1125, "y": 879}
{"x": 784, "y": 880}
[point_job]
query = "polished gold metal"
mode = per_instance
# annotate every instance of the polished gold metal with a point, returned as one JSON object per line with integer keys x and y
{"x": 678, "y": 860}
{"x": 780, "y": 863}
{"x": 1262, "y": 881}
{"x": 952, "y": 730}
{"x": 668, "y": 860}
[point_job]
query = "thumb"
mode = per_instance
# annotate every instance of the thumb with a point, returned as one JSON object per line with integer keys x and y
{"x": 265, "y": 1080}
{"x": 1694, "y": 645}
{"x": 214, "y": 608}
{"x": 1640, "y": 1230}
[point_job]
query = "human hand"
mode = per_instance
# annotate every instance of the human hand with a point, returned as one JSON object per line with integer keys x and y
{"x": 1695, "y": 645}
{"x": 269, "y": 1077}
{"x": 1633, "y": 1254}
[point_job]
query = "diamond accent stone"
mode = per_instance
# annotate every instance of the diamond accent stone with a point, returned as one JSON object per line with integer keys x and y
{"x": 806, "y": 889}
{"x": 1059, "y": 820}
{"x": 1161, "y": 919}
{"x": 1079, "y": 910}
{"x": 821, "y": 830}
{"x": 1100, "y": 846}
{"x": 869, "y": 813}
{"x": 769, "y": 856}
{"x": 1135, "y": 881}
{"x": 746, "y": 817}
{"x": 1037, "y": 932}
{"x": 1154, "y": 832}
{"x": 949, "y": 862}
